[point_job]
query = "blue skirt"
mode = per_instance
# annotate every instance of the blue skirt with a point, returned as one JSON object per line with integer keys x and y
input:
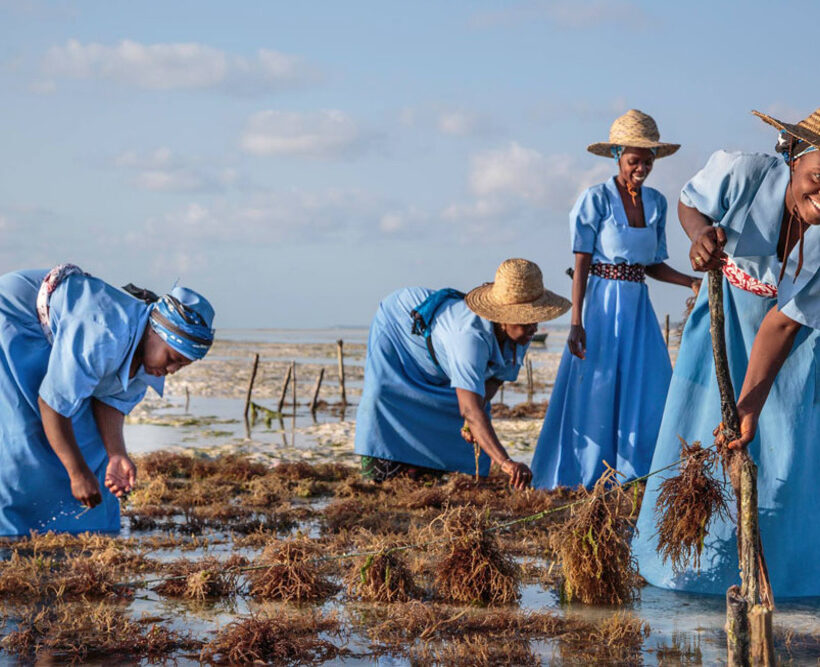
{"x": 606, "y": 407}
{"x": 785, "y": 450}
{"x": 35, "y": 491}
{"x": 406, "y": 415}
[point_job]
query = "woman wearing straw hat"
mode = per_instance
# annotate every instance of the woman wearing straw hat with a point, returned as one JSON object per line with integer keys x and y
{"x": 76, "y": 355}
{"x": 434, "y": 361}
{"x": 608, "y": 398}
{"x": 757, "y": 216}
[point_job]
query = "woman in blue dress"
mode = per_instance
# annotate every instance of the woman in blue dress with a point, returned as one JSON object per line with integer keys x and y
{"x": 76, "y": 355}
{"x": 434, "y": 361}
{"x": 757, "y": 216}
{"x": 609, "y": 393}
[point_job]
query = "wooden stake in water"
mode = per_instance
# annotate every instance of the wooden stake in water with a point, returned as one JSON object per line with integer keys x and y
{"x": 187, "y": 398}
{"x": 316, "y": 389}
{"x": 753, "y": 600}
{"x": 530, "y": 388}
{"x": 284, "y": 392}
{"x": 250, "y": 385}
{"x": 340, "y": 353}
{"x": 666, "y": 335}
{"x": 293, "y": 385}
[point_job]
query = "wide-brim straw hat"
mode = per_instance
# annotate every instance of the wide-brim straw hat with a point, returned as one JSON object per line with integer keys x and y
{"x": 808, "y": 129}
{"x": 517, "y": 296}
{"x": 634, "y": 129}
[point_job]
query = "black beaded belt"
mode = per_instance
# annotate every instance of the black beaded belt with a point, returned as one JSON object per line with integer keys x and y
{"x": 633, "y": 272}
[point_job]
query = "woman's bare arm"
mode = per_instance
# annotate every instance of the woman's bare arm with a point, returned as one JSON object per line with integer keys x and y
{"x": 60, "y": 434}
{"x": 577, "y": 339}
{"x": 121, "y": 473}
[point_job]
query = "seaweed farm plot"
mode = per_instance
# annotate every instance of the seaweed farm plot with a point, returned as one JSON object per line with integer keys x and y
{"x": 231, "y": 560}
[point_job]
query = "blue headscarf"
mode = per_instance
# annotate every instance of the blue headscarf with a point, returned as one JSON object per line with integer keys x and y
{"x": 791, "y": 147}
{"x": 183, "y": 319}
{"x": 617, "y": 151}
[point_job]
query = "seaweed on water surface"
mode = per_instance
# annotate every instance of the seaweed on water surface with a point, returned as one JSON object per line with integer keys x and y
{"x": 288, "y": 574}
{"x": 593, "y": 547}
{"x": 382, "y": 577}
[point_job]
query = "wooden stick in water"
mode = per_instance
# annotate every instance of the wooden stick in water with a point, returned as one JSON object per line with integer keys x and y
{"x": 250, "y": 385}
{"x": 316, "y": 389}
{"x": 755, "y": 589}
{"x": 340, "y": 354}
{"x": 293, "y": 385}
{"x": 284, "y": 391}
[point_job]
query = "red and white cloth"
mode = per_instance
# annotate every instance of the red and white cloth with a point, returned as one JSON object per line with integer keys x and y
{"x": 739, "y": 278}
{"x": 49, "y": 284}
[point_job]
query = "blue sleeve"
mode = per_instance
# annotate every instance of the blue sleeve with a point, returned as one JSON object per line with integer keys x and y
{"x": 715, "y": 187}
{"x": 661, "y": 254}
{"x": 467, "y": 357}
{"x": 126, "y": 400}
{"x": 585, "y": 221}
{"x": 85, "y": 350}
{"x": 800, "y": 299}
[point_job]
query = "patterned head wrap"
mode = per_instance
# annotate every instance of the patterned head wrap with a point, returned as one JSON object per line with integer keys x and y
{"x": 791, "y": 148}
{"x": 617, "y": 151}
{"x": 183, "y": 320}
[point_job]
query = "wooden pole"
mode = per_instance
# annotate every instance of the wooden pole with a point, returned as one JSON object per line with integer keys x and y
{"x": 667, "y": 330}
{"x": 316, "y": 389}
{"x": 340, "y": 354}
{"x": 530, "y": 390}
{"x": 293, "y": 385}
{"x": 501, "y": 393}
{"x": 743, "y": 475}
{"x": 187, "y": 398}
{"x": 284, "y": 392}
{"x": 250, "y": 384}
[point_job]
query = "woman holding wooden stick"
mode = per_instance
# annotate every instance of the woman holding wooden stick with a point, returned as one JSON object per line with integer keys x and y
{"x": 434, "y": 361}
{"x": 757, "y": 217}
{"x": 608, "y": 398}
{"x": 76, "y": 355}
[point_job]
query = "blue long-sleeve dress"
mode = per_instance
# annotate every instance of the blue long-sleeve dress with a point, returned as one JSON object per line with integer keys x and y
{"x": 608, "y": 406}
{"x": 744, "y": 194}
{"x": 409, "y": 411}
{"x": 96, "y": 329}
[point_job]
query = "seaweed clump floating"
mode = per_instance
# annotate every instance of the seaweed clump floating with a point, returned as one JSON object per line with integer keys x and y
{"x": 593, "y": 545}
{"x": 686, "y": 504}
{"x": 287, "y": 573}
{"x": 280, "y": 639}
{"x": 474, "y": 570}
{"x": 383, "y": 577}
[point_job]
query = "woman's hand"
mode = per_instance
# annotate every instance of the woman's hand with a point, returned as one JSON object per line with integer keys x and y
{"x": 467, "y": 434}
{"x": 748, "y": 428}
{"x": 86, "y": 488}
{"x": 120, "y": 475}
{"x": 520, "y": 475}
{"x": 577, "y": 341}
{"x": 706, "y": 252}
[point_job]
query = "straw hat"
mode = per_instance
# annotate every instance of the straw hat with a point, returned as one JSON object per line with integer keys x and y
{"x": 808, "y": 130}
{"x": 517, "y": 296}
{"x": 634, "y": 130}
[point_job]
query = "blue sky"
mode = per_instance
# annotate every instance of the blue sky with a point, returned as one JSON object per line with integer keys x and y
{"x": 297, "y": 161}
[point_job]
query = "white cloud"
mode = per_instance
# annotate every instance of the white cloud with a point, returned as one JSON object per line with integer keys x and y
{"x": 169, "y": 66}
{"x": 160, "y": 170}
{"x": 459, "y": 123}
{"x": 323, "y": 134}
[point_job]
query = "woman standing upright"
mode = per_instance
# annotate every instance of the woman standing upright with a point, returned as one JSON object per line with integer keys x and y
{"x": 757, "y": 216}
{"x": 611, "y": 386}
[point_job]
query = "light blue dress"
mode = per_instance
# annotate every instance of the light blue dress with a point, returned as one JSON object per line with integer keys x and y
{"x": 409, "y": 410}
{"x": 608, "y": 406}
{"x": 96, "y": 331}
{"x": 744, "y": 193}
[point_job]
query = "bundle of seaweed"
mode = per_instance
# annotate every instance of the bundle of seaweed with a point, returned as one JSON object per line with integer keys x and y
{"x": 520, "y": 411}
{"x": 82, "y": 577}
{"x": 686, "y": 504}
{"x": 370, "y": 513}
{"x": 617, "y": 640}
{"x": 288, "y": 574}
{"x": 382, "y": 577}
{"x": 77, "y": 632}
{"x": 593, "y": 546}
{"x": 199, "y": 580}
{"x": 280, "y": 639}
{"x": 474, "y": 570}
{"x": 474, "y": 649}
